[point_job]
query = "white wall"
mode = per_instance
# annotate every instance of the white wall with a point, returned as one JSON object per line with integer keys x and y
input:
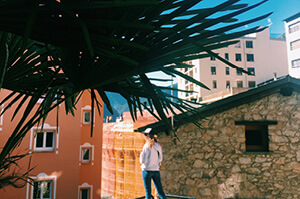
{"x": 292, "y": 54}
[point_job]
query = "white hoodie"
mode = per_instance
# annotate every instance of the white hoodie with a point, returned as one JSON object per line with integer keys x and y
{"x": 151, "y": 158}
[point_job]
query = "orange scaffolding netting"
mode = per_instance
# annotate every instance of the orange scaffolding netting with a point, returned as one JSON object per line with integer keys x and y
{"x": 121, "y": 169}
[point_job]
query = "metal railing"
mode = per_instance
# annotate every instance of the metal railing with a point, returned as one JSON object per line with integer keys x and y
{"x": 170, "y": 196}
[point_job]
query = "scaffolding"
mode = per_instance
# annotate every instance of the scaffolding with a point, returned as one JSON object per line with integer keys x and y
{"x": 121, "y": 169}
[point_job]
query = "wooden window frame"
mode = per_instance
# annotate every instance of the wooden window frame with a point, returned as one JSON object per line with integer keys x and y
{"x": 257, "y": 127}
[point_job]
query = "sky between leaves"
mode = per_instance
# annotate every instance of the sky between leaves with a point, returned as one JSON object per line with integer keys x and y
{"x": 281, "y": 9}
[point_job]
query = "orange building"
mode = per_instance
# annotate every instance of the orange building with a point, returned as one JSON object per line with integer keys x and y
{"x": 66, "y": 159}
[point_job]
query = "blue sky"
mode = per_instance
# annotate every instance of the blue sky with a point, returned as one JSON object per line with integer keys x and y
{"x": 281, "y": 9}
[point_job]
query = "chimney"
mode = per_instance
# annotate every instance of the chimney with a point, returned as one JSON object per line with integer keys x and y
{"x": 274, "y": 76}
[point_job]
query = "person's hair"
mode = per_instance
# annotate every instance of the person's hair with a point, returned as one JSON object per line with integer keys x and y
{"x": 151, "y": 140}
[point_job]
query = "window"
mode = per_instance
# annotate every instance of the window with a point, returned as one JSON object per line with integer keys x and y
{"x": 294, "y": 27}
{"x": 85, "y": 193}
{"x": 238, "y": 45}
{"x": 239, "y": 72}
{"x": 214, "y": 83}
{"x": 238, "y": 57}
{"x": 251, "y": 70}
{"x": 227, "y": 56}
{"x": 42, "y": 189}
{"x": 239, "y": 84}
{"x": 87, "y": 117}
{"x": 257, "y": 138}
{"x": 249, "y": 44}
{"x": 296, "y": 63}
{"x": 227, "y": 71}
{"x": 228, "y": 84}
{"x": 213, "y": 70}
{"x": 251, "y": 84}
{"x": 86, "y": 155}
{"x": 44, "y": 141}
{"x": 250, "y": 57}
{"x": 295, "y": 44}
{"x": 256, "y": 134}
{"x": 212, "y": 58}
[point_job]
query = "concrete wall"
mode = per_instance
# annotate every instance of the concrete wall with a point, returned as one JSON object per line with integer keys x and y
{"x": 212, "y": 163}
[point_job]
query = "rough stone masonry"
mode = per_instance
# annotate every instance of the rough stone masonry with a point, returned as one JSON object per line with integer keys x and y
{"x": 212, "y": 163}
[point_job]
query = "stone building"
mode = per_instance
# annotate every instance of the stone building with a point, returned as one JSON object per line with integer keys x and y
{"x": 247, "y": 146}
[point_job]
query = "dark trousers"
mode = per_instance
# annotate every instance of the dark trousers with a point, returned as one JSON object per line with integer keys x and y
{"x": 155, "y": 176}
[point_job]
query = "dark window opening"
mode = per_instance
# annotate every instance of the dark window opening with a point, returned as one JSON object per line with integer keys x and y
{"x": 214, "y": 83}
{"x": 239, "y": 84}
{"x": 257, "y": 138}
{"x": 249, "y": 44}
{"x": 213, "y": 70}
{"x": 85, "y": 193}
{"x": 49, "y": 139}
{"x": 39, "y": 139}
{"x": 250, "y": 57}
{"x": 239, "y": 71}
{"x": 238, "y": 57}
{"x": 227, "y": 56}
{"x": 251, "y": 84}
{"x": 228, "y": 84}
{"x": 251, "y": 70}
{"x": 227, "y": 71}
{"x": 85, "y": 154}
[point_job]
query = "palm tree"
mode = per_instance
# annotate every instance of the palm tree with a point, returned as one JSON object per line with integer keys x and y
{"x": 57, "y": 49}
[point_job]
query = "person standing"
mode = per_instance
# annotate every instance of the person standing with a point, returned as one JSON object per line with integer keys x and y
{"x": 150, "y": 158}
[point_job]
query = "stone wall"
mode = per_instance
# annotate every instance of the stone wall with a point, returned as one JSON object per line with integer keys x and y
{"x": 211, "y": 162}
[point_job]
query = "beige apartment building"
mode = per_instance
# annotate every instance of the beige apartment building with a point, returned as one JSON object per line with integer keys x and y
{"x": 292, "y": 31}
{"x": 263, "y": 56}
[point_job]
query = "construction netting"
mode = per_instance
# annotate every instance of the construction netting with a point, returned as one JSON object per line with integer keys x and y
{"x": 121, "y": 169}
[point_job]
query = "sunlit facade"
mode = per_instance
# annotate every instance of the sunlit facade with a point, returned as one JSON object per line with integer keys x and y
{"x": 66, "y": 160}
{"x": 292, "y": 31}
{"x": 259, "y": 54}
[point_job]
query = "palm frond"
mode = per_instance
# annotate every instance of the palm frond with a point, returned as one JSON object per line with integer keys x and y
{"x": 52, "y": 51}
